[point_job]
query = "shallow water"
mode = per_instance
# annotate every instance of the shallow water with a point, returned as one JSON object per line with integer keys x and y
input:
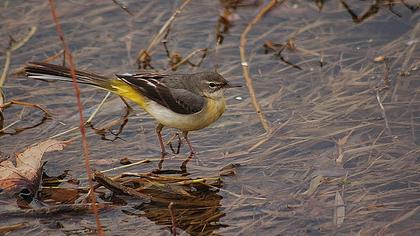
{"x": 337, "y": 93}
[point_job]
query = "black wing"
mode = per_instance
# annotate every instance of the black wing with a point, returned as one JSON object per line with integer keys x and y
{"x": 178, "y": 100}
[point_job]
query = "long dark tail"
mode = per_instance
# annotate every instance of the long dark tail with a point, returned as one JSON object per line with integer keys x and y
{"x": 50, "y": 72}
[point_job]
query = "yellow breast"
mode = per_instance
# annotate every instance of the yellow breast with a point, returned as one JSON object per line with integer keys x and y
{"x": 187, "y": 122}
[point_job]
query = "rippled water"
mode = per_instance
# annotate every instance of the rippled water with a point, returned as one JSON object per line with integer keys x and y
{"x": 336, "y": 109}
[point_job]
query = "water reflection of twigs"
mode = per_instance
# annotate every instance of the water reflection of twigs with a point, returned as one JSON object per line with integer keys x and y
{"x": 184, "y": 164}
{"x": 228, "y": 15}
{"x": 178, "y": 147}
{"x": 6, "y": 105}
{"x": 183, "y": 168}
{"x": 176, "y": 151}
{"x": 176, "y": 60}
{"x": 278, "y": 48}
{"x": 144, "y": 56}
{"x": 107, "y": 128}
{"x": 374, "y": 8}
{"x": 195, "y": 206}
{"x": 193, "y": 220}
{"x": 123, "y": 6}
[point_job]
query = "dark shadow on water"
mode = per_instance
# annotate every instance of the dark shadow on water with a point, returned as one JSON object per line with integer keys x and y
{"x": 196, "y": 219}
{"x": 108, "y": 129}
{"x": 197, "y": 208}
{"x": 183, "y": 167}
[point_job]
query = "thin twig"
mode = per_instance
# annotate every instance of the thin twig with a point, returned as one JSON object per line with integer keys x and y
{"x": 26, "y": 104}
{"x": 121, "y": 122}
{"x": 51, "y": 210}
{"x": 6, "y": 67}
{"x": 64, "y": 132}
{"x": 245, "y": 66}
{"x": 21, "y": 70}
{"x": 173, "y": 219}
{"x": 412, "y": 213}
{"x": 186, "y": 59}
{"x": 13, "y": 47}
{"x": 232, "y": 193}
{"x": 123, "y": 6}
{"x": 383, "y": 112}
{"x": 68, "y": 55}
{"x": 126, "y": 166}
{"x": 25, "y": 39}
{"x": 270, "y": 135}
{"x": 8, "y": 126}
{"x": 98, "y": 108}
{"x": 167, "y": 24}
{"x": 87, "y": 121}
{"x": 158, "y": 37}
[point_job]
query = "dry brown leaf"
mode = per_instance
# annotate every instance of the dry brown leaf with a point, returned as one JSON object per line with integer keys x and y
{"x": 341, "y": 143}
{"x": 344, "y": 139}
{"x": 229, "y": 170}
{"x": 28, "y": 166}
{"x": 379, "y": 59}
{"x": 315, "y": 183}
{"x": 339, "y": 210}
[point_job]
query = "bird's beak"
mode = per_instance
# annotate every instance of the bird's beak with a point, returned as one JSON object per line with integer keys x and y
{"x": 230, "y": 85}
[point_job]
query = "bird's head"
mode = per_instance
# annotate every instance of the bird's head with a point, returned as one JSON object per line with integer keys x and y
{"x": 213, "y": 85}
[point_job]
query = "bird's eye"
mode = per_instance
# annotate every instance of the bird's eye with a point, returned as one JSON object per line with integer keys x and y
{"x": 212, "y": 85}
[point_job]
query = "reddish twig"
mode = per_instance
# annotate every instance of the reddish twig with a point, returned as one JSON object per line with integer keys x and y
{"x": 69, "y": 57}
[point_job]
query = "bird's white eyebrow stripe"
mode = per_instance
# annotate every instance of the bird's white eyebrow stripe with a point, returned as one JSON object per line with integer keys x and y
{"x": 215, "y": 82}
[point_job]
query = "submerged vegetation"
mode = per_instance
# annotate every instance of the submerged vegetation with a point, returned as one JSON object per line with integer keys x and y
{"x": 322, "y": 139}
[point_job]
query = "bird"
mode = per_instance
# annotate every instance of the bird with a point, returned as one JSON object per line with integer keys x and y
{"x": 187, "y": 102}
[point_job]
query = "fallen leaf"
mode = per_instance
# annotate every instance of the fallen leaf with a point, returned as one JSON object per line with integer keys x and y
{"x": 379, "y": 59}
{"x": 27, "y": 172}
{"x": 228, "y": 170}
{"x": 341, "y": 143}
{"x": 315, "y": 183}
{"x": 60, "y": 195}
{"x": 339, "y": 210}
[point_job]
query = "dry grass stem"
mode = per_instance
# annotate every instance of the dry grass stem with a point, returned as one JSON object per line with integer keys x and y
{"x": 245, "y": 66}
{"x": 142, "y": 56}
{"x": 12, "y": 47}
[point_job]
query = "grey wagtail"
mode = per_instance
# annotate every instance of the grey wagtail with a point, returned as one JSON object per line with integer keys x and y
{"x": 183, "y": 101}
